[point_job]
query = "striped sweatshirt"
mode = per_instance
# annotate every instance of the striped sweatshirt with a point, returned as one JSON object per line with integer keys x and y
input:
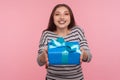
{"x": 64, "y": 72}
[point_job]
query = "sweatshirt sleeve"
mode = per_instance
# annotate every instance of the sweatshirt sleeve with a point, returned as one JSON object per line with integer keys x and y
{"x": 84, "y": 44}
{"x": 42, "y": 45}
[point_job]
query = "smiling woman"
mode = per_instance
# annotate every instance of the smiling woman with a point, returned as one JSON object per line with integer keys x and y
{"x": 62, "y": 24}
{"x": 62, "y": 20}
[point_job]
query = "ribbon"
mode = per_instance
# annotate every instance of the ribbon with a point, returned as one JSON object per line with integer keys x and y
{"x": 69, "y": 47}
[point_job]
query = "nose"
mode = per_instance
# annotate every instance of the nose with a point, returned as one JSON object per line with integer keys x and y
{"x": 61, "y": 16}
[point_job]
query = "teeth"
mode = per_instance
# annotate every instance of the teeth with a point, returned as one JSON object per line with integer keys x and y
{"x": 61, "y": 22}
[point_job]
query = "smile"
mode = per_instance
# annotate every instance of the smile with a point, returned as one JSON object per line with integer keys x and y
{"x": 61, "y": 22}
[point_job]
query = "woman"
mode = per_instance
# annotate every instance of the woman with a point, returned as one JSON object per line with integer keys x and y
{"x": 62, "y": 24}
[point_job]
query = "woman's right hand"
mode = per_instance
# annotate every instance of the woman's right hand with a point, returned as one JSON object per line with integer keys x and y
{"x": 44, "y": 57}
{"x": 45, "y": 52}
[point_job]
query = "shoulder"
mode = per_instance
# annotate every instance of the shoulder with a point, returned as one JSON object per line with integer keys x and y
{"x": 45, "y": 33}
{"x": 48, "y": 35}
{"x": 78, "y": 29}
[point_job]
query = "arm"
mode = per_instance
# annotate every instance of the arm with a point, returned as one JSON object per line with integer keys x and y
{"x": 86, "y": 55}
{"x": 42, "y": 52}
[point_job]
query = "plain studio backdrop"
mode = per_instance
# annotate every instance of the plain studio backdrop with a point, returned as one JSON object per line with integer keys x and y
{"x": 21, "y": 25}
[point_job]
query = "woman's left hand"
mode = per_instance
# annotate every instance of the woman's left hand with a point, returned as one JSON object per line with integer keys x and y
{"x": 84, "y": 55}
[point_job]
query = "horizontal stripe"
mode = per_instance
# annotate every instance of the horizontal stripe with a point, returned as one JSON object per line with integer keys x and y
{"x": 67, "y": 77}
{"x": 67, "y": 74}
{"x": 64, "y": 68}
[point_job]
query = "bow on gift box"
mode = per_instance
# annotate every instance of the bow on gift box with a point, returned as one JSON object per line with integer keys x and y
{"x": 68, "y": 47}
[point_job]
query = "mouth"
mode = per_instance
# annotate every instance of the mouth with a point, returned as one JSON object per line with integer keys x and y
{"x": 62, "y": 22}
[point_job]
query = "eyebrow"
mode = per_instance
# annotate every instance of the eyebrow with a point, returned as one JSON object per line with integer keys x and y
{"x": 59, "y": 11}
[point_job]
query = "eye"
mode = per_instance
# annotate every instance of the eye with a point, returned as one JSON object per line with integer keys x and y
{"x": 67, "y": 14}
{"x": 57, "y": 14}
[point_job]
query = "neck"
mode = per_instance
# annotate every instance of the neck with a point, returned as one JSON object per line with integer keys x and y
{"x": 62, "y": 32}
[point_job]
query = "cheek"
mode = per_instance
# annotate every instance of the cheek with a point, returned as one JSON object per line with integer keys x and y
{"x": 69, "y": 19}
{"x": 55, "y": 20}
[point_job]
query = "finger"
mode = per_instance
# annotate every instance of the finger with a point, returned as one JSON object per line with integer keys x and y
{"x": 81, "y": 57}
{"x": 46, "y": 58}
{"x": 46, "y": 48}
{"x": 46, "y": 66}
{"x": 47, "y": 63}
{"x": 81, "y": 49}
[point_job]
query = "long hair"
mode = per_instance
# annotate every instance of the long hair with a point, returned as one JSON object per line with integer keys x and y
{"x": 52, "y": 26}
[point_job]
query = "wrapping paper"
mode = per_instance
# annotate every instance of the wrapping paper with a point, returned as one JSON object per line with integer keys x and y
{"x": 61, "y": 52}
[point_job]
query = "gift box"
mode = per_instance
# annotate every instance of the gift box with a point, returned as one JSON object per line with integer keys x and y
{"x": 61, "y": 52}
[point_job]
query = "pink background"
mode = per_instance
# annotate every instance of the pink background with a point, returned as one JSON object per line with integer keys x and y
{"x": 22, "y": 22}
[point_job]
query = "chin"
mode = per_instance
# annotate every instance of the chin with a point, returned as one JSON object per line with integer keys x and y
{"x": 62, "y": 27}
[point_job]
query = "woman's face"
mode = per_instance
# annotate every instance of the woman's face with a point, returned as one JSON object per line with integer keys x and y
{"x": 61, "y": 17}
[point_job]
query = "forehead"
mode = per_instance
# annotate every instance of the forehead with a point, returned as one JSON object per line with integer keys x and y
{"x": 62, "y": 9}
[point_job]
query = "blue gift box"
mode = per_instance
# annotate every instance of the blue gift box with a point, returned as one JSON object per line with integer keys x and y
{"x": 63, "y": 53}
